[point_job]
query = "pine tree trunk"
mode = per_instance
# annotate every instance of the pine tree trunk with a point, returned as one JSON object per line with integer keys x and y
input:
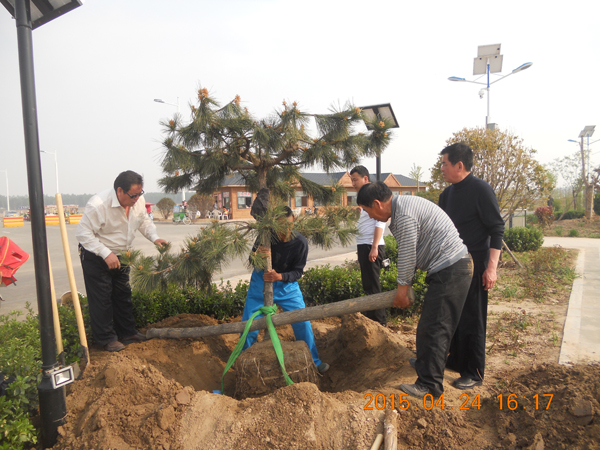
{"x": 268, "y": 289}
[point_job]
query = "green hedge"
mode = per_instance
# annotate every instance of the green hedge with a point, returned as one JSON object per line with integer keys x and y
{"x": 523, "y": 239}
{"x": 223, "y": 303}
{"x": 571, "y": 214}
{"x": 323, "y": 284}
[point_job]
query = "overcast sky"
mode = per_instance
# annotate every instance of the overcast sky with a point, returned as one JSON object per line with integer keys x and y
{"x": 99, "y": 67}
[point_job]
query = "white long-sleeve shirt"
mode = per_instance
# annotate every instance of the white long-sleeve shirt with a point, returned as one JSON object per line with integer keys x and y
{"x": 105, "y": 227}
{"x": 366, "y": 229}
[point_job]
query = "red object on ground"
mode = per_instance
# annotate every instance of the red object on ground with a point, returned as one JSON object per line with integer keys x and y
{"x": 11, "y": 258}
{"x": 149, "y": 207}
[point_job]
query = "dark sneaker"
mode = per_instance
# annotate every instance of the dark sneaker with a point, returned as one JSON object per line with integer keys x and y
{"x": 415, "y": 390}
{"x": 138, "y": 337}
{"x": 465, "y": 383}
{"x": 323, "y": 367}
{"x": 114, "y": 346}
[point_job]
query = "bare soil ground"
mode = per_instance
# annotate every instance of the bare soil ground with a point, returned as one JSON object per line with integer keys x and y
{"x": 575, "y": 228}
{"x": 158, "y": 394}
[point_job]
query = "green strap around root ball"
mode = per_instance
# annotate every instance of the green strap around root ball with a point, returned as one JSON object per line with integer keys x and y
{"x": 268, "y": 311}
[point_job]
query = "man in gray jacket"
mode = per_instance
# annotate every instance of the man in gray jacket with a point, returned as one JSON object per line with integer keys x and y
{"x": 427, "y": 240}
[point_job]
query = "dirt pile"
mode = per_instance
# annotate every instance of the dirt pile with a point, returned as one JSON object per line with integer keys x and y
{"x": 158, "y": 395}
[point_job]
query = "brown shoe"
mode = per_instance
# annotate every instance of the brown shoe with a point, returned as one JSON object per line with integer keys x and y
{"x": 114, "y": 346}
{"x": 138, "y": 337}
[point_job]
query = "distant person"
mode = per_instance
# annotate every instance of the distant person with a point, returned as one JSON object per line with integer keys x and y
{"x": 107, "y": 229}
{"x": 215, "y": 206}
{"x": 427, "y": 240}
{"x": 473, "y": 207}
{"x": 288, "y": 253}
{"x": 370, "y": 248}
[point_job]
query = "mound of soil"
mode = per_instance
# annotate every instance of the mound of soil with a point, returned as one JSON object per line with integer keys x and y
{"x": 158, "y": 395}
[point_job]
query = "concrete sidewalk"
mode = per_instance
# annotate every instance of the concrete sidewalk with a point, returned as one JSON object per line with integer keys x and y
{"x": 581, "y": 336}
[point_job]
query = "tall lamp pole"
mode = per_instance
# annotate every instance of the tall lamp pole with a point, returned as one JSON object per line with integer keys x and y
{"x": 586, "y": 133}
{"x": 159, "y": 100}
{"x": 55, "y": 166}
{"x": 7, "y": 200}
{"x": 30, "y": 14}
{"x": 489, "y": 60}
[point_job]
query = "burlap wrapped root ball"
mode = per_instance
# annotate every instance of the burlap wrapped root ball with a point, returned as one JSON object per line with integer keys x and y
{"x": 258, "y": 372}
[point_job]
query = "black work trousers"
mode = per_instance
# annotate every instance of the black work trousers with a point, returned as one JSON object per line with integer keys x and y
{"x": 369, "y": 274}
{"x": 442, "y": 307}
{"x": 109, "y": 299}
{"x": 467, "y": 350}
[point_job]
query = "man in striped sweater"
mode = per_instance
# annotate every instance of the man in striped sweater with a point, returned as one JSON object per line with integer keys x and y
{"x": 427, "y": 240}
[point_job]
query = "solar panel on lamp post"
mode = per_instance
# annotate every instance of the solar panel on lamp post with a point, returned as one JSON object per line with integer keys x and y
{"x": 489, "y": 60}
{"x": 29, "y": 15}
{"x": 384, "y": 111}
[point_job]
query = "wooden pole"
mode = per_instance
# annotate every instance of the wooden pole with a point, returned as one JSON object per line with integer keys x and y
{"x": 57, "y": 333}
{"x": 514, "y": 258}
{"x": 367, "y": 303}
{"x": 74, "y": 293}
{"x": 389, "y": 430}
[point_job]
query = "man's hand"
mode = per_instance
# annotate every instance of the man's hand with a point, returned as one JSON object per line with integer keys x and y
{"x": 489, "y": 278}
{"x": 271, "y": 275}
{"x": 401, "y": 300}
{"x": 373, "y": 254}
{"x": 112, "y": 261}
{"x": 160, "y": 242}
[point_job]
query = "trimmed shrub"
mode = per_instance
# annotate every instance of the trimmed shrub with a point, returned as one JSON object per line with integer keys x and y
{"x": 569, "y": 215}
{"x": 522, "y": 239}
{"x": 323, "y": 284}
{"x": 223, "y": 303}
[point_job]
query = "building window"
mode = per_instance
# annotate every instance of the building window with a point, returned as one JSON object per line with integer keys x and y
{"x": 244, "y": 200}
{"x": 352, "y": 198}
{"x": 300, "y": 199}
{"x": 406, "y": 192}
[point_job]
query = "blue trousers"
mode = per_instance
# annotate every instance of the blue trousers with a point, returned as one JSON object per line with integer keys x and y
{"x": 289, "y": 297}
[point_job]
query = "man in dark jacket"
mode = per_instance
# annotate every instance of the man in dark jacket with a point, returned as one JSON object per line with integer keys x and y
{"x": 473, "y": 207}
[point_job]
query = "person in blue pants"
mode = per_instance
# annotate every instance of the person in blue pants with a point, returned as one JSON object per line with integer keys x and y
{"x": 288, "y": 255}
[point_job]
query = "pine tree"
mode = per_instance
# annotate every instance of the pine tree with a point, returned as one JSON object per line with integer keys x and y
{"x": 269, "y": 154}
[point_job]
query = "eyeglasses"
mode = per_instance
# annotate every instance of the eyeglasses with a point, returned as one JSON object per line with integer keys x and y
{"x": 135, "y": 195}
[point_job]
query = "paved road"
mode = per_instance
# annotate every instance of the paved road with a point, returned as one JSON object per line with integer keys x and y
{"x": 581, "y": 335}
{"x": 25, "y": 291}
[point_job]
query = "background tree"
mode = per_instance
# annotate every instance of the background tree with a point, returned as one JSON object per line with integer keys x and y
{"x": 569, "y": 169}
{"x": 416, "y": 173}
{"x": 501, "y": 159}
{"x": 165, "y": 206}
{"x": 199, "y": 202}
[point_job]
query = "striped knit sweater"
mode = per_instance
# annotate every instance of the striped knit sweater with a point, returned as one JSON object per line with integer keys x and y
{"x": 427, "y": 238}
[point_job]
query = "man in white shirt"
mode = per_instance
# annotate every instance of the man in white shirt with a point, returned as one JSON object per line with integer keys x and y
{"x": 370, "y": 247}
{"x": 107, "y": 229}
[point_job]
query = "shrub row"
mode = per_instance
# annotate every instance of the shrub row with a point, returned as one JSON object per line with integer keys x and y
{"x": 523, "y": 239}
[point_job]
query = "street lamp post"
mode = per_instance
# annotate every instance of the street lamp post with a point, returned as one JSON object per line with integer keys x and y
{"x": 586, "y": 133}
{"x": 55, "y": 166}
{"x": 30, "y": 14}
{"x": 489, "y": 60}
{"x": 159, "y": 100}
{"x": 384, "y": 111}
{"x": 7, "y": 200}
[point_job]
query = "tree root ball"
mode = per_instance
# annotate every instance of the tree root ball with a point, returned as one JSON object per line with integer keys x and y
{"x": 258, "y": 371}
